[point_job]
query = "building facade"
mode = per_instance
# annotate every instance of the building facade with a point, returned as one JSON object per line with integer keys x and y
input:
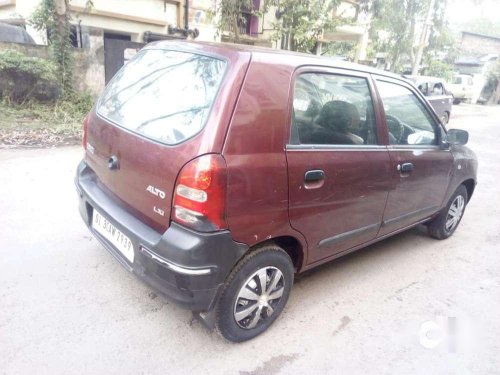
{"x": 112, "y": 31}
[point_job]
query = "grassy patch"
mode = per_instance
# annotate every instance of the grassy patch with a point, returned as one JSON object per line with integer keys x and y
{"x": 37, "y": 124}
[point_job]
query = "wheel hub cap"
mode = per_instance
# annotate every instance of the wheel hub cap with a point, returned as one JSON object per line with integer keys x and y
{"x": 258, "y": 297}
{"x": 454, "y": 213}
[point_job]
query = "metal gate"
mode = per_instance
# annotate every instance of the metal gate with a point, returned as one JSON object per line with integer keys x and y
{"x": 116, "y": 53}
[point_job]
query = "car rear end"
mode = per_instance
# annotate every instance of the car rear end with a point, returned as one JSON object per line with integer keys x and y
{"x": 461, "y": 88}
{"x": 152, "y": 183}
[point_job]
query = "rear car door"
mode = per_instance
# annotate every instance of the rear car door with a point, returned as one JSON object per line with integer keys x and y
{"x": 420, "y": 166}
{"x": 440, "y": 100}
{"x": 338, "y": 171}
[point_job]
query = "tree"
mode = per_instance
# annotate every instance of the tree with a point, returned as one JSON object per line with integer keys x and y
{"x": 493, "y": 83}
{"x": 53, "y": 17}
{"x": 229, "y": 16}
{"x": 301, "y": 23}
{"x": 393, "y": 27}
{"x": 423, "y": 39}
{"x": 395, "y": 24}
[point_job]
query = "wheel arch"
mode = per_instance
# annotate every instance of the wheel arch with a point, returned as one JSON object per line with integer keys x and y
{"x": 291, "y": 245}
{"x": 470, "y": 185}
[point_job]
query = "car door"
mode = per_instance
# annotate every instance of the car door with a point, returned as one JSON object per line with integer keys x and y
{"x": 338, "y": 171}
{"x": 435, "y": 97}
{"x": 420, "y": 165}
{"x": 440, "y": 100}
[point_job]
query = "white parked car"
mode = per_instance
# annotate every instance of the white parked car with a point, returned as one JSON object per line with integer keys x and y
{"x": 461, "y": 88}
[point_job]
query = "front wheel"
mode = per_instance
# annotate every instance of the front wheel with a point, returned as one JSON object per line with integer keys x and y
{"x": 445, "y": 118}
{"x": 443, "y": 225}
{"x": 254, "y": 294}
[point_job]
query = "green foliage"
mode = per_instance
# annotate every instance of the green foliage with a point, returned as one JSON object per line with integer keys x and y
{"x": 344, "y": 49}
{"x": 442, "y": 41}
{"x": 229, "y": 14}
{"x": 302, "y": 22}
{"x": 436, "y": 68}
{"x": 44, "y": 124}
{"x": 14, "y": 60}
{"x": 492, "y": 87}
{"x": 394, "y": 30}
{"x": 23, "y": 77}
{"x": 52, "y": 16}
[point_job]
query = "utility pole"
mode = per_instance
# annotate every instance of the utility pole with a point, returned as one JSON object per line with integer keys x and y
{"x": 424, "y": 38}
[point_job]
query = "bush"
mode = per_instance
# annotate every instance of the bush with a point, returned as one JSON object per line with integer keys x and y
{"x": 439, "y": 69}
{"x": 23, "y": 78}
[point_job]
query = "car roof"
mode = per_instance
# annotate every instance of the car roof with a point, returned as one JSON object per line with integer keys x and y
{"x": 270, "y": 54}
{"x": 420, "y": 79}
{"x": 14, "y": 34}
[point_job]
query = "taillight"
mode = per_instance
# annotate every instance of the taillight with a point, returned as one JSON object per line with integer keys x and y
{"x": 200, "y": 194}
{"x": 84, "y": 131}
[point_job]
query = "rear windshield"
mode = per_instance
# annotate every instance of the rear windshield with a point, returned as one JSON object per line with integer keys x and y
{"x": 163, "y": 95}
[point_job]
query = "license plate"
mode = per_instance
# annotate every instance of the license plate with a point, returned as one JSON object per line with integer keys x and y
{"x": 120, "y": 241}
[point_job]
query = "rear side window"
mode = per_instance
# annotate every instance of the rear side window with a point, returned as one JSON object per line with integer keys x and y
{"x": 163, "y": 95}
{"x": 408, "y": 122}
{"x": 332, "y": 109}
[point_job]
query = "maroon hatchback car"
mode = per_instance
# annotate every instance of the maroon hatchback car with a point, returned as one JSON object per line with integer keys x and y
{"x": 217, "y": 172}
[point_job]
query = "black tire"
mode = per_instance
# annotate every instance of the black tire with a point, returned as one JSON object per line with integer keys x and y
{"x": 445, "y": 119}
{"x": 437, "y": 227}
{"x": 456, "y": 101}
{"x": 267, "y": 258}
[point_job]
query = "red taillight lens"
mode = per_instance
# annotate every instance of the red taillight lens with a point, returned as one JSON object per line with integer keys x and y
{"x": 200, "y": 194}
{"x": 84, "y": 131}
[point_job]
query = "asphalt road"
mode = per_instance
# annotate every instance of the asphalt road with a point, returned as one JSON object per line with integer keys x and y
{"x": 409, "y": 304}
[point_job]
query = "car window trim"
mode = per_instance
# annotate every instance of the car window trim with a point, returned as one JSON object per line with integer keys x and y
{"x": 321, "y": 69}
{"x": 438, "y": 128}
{"x": 323, "y": 147}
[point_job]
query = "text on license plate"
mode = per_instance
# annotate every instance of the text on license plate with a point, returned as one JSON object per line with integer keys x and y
{"x": 120, "y": 241}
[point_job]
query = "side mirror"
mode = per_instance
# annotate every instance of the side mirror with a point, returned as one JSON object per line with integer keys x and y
{"x": 457, "y": 137}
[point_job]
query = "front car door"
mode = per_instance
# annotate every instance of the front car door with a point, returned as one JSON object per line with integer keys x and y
{"x": 338, "y": 171}
{"x": 420, "y": 165}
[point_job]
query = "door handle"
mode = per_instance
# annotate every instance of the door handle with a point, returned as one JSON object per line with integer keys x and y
{"x": 406, "y": 167}
{"x": 314, "y": 175}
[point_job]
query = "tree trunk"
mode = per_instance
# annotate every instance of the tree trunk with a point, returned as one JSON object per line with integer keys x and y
{"x": 424, "y": 38}
{"x": 61, "y": 45}
{"x": 412, "y": 37}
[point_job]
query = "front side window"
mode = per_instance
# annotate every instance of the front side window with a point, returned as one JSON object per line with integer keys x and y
{"x": 408, "y": 122}
{"x": 438, "y": 89}
{"x": 332, "y": 109}
{"x": 163, "y": 95}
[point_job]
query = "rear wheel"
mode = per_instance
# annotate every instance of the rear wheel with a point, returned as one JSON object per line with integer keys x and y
{"x": 255, "y": 294}
{"x": 447, "y": 221}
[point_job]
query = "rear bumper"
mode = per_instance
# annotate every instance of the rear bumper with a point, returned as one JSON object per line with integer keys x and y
{"x": 186, "y": 266}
